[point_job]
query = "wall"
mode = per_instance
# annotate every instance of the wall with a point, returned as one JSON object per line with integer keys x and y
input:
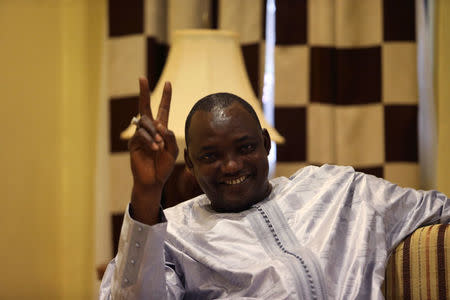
{"x": 49, "y": 90}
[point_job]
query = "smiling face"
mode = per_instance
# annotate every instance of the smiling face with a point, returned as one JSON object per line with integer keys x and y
{"x": 227, "y": 153}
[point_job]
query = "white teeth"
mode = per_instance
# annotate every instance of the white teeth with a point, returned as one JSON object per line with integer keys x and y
{"x": 235, "y": 181}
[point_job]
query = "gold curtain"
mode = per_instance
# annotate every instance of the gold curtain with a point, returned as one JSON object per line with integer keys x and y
{"x": 50, "y": 57}
{"x": 442, "y": 92}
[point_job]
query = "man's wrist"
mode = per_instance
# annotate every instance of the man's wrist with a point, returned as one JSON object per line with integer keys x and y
{"x": 145, "y": 204}
{"x": 161, "y": 216}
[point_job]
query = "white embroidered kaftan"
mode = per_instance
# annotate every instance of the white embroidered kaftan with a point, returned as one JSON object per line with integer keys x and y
{"x": 324, "y": 233}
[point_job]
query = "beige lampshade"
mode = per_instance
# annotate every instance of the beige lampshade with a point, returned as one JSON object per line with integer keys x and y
{"x": 202, "y": 62}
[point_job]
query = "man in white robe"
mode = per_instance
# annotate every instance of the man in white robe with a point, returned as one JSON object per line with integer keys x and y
{"x": 324, "y": 233}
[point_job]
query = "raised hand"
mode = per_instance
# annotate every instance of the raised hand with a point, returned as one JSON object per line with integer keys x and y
{"x": 153, "y": 151}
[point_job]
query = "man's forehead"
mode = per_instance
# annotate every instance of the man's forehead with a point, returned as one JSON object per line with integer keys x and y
{"x": 221, "y": 113}
{"x": 227, "y": 120}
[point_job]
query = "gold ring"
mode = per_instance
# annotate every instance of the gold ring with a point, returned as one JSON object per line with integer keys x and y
{"x": 135, "y": 121}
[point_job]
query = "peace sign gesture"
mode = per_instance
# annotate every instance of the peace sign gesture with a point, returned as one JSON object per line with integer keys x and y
{"x": 153, "y": 151}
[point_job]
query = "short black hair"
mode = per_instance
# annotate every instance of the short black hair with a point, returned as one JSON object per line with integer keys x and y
{"x": 217, "y": 100}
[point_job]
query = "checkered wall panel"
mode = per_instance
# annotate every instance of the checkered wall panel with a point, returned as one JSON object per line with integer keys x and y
{"x": 346, "y": 87}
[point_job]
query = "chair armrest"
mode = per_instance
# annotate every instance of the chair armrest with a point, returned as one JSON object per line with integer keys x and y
{"x": 419, "y": 268}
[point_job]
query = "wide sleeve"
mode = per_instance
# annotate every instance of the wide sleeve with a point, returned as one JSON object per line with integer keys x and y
{"x": 140, "y": 269}
{"x": 404, "y": 209}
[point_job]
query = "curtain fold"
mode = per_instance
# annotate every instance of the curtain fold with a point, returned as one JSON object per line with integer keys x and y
{"x": 82, "y": 46}
{"x": 102, "y": 244}
{"x": 442, "y": 92}
{"x": 427, "y": 124}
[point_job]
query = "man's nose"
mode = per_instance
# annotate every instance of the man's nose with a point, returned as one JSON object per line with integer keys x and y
{"x": 231, "y": 164}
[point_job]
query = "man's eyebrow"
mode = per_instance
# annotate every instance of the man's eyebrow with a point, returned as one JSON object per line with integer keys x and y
{"x": 208, "y": 148}
{"x": 244, "y": 138}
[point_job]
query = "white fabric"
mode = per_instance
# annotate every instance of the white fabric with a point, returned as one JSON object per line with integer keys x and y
{"x": 325, "y": 232}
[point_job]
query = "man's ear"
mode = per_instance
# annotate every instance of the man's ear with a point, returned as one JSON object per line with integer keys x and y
{"x": 187, "y": 160}
{"x": 267, "y": 141}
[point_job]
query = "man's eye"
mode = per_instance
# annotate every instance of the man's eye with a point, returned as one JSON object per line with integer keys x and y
{"x": 208, "y": 157}
{"x": 247, "y": 148}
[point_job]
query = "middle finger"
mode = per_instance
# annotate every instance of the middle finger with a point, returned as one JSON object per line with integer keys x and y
{"x": 149, "y": 126}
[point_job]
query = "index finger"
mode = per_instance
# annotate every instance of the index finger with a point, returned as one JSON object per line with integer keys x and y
{"x": 144, "y": 98}
{"x": 164, "y": 105}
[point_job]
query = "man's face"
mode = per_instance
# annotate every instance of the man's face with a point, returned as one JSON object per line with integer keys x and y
{"x": 227, "y": 153}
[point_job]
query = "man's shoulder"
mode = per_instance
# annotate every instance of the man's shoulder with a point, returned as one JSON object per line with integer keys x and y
{"x": 323, "y": 170}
